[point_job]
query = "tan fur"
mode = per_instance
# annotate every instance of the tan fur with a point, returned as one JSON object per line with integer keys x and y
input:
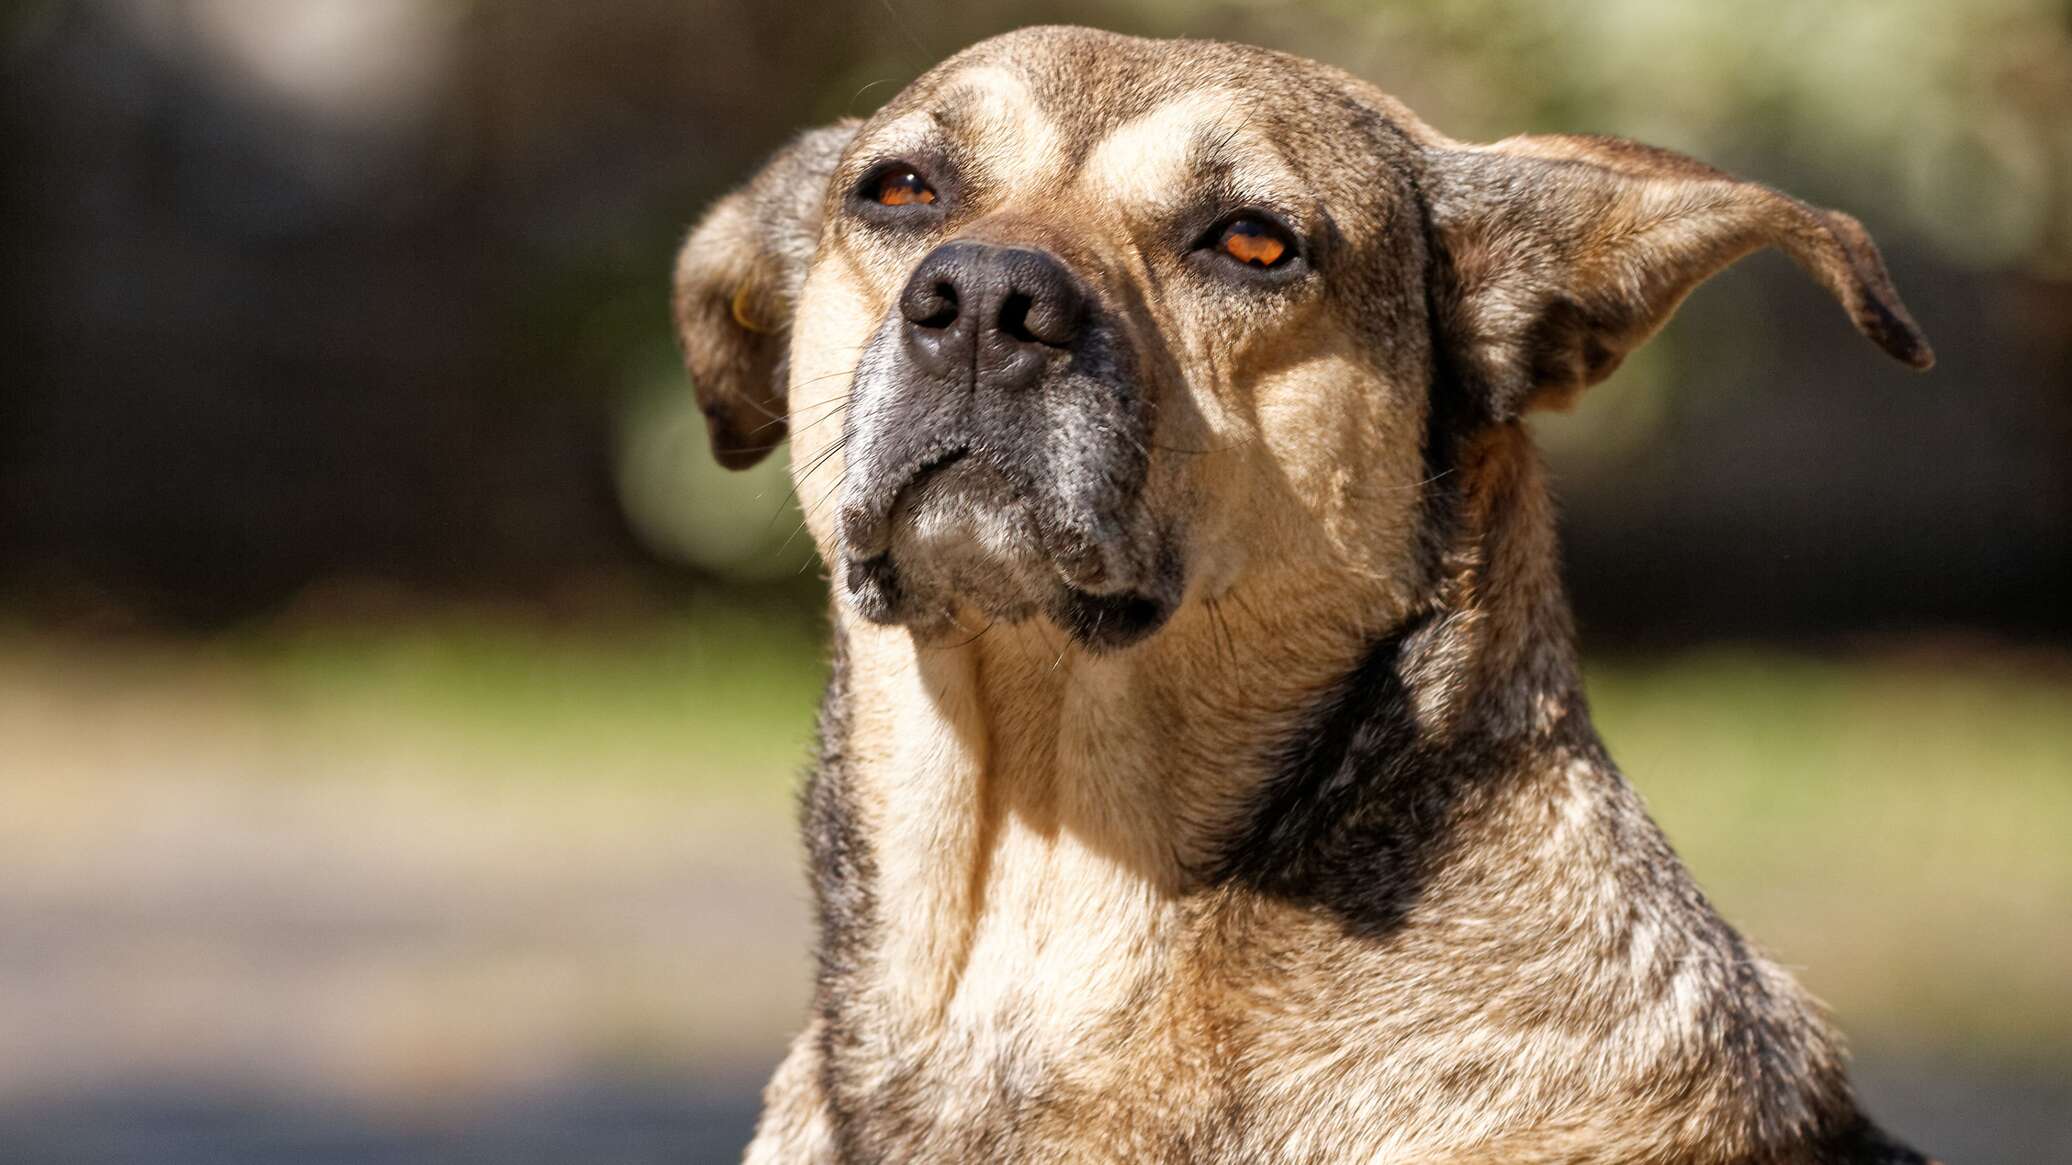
{"x": 1035, "y": 948}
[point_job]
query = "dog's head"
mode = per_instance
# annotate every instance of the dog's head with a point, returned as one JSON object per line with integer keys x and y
{"x": 1080, "y": 326}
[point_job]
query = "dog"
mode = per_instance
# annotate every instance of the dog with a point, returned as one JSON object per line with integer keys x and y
{"x": 1205, "y": 775}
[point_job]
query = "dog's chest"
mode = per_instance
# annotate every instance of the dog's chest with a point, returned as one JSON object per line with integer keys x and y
{"x": 1072, "y": 1031}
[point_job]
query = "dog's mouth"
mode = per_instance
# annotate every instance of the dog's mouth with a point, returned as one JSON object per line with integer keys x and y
{"x": 869, "y": 515}
{"x": 958, "y": 532}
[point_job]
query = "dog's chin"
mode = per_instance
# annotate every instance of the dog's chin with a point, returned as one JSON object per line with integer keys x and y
{"x": 967, "y": 551}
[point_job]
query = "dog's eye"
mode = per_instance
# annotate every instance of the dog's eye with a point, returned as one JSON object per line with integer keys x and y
{"x": 900, "y": 186}
{"x": 1255, "y": 242}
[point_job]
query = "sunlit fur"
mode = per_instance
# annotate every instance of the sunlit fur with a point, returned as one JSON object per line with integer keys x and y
{"x": 1330, "y": 866}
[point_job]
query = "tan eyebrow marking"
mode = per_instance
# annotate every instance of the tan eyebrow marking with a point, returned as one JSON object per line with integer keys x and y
{"x": 989, "y": 115}
{"x": 1151, "y": 159}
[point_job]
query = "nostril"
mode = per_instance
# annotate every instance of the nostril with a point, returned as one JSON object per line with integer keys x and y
{"x": 1050, "y": 319}
{"x": 930, "y": 300}
{"x": 968, "y": 292}
{"x": 1014, "y": 318}
{"x": 940, "y": 310}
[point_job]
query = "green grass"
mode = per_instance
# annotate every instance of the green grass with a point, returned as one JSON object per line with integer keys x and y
{"x": 1878, "y": 758}
{"x": 722, "y": 702}
{"x": 725, "y": 702}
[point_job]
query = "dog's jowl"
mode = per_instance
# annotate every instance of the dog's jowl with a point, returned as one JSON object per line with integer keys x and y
{"x": 1205, "y": 776}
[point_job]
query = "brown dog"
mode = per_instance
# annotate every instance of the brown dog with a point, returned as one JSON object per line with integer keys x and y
{"x": 1205, "y": 774}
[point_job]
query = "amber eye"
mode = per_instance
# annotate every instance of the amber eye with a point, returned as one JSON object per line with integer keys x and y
{"x": 902, "y": 187}
{"x": 1253, "y": 242}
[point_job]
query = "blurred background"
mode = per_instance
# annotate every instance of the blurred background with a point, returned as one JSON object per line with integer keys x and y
{"x": 399, "y": 712}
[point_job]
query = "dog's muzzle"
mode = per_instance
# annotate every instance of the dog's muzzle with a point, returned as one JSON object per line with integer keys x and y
{"x": 997, "y": 448}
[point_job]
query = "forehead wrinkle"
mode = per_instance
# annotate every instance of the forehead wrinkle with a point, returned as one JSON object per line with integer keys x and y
{"x": 1001, "y": 125}
{"x": 983, "y": 119}
{"x": 1162, "y": 156}
{"x": 908, "y": 132}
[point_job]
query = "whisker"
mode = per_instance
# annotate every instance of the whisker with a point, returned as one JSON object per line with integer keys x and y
{"x": 758, "y": 406}
{"x": 794, "y": 431}
{"x": 1239, "y": 598}
{"x": 849, "y": 106}
{"x": 1064, "y": 645}
{"x": 1218, "y": 624}
{"x": 791, "y": 495}
{"x": 813, "y": 380}
{"x": 967, "y": 643}
{"x": 899, "y": 21}
{"x": 829, "y": 415}
{"x": 1408, "y": 487}
{"x": 843, "y": 399}
{"x": 807, "y": 514}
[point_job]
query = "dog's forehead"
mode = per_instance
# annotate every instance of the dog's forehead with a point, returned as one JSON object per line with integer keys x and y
{"x": 1121, "y": 113}
{"x": 988, "y": 113}
{"x": 1146, "y": 159}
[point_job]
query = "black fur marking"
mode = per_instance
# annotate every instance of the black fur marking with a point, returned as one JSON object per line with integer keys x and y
{"x": 1859, "y": 1142}
{"x": 1108, "y": 622}
{"x": 1362, "y": 806}
{"x": 839, "y": 860}
{"x": 1326, "y": 769}
{"x": 874, "y": 586}
{"x": 842, "y": 870}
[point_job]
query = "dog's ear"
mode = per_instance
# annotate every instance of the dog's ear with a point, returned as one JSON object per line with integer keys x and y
{"x": 1559, "y": 254}
{"x": 737, "y": 280}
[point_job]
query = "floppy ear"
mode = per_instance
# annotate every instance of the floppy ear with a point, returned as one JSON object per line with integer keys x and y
{"x": 1560, "y": 254}
{"x": 737, "y": 280}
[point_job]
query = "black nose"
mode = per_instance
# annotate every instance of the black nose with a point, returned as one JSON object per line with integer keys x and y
{"x": 1001, "y": 312}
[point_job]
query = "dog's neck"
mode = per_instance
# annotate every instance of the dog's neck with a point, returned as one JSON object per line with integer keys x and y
{"x": 1237, "y": 836}
{"x": 1026, "y": 800}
